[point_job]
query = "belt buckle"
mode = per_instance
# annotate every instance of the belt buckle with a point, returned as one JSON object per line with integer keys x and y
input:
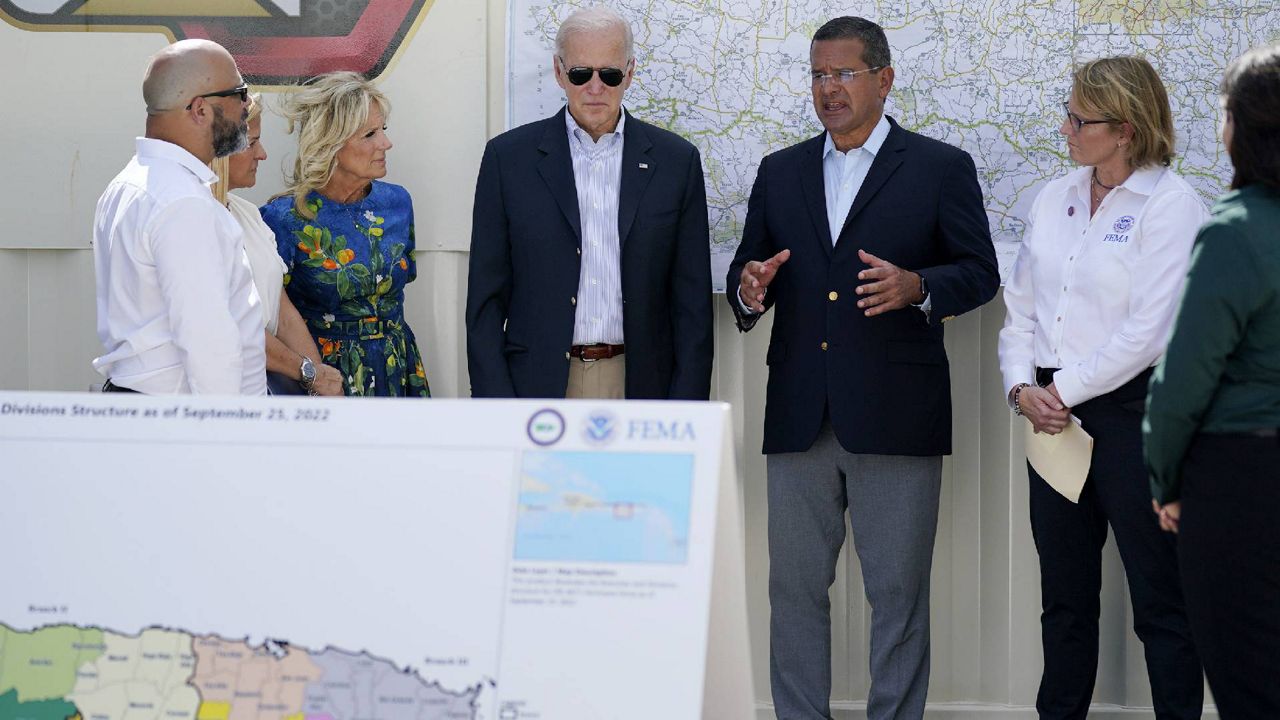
{"x": 584, "y": 349}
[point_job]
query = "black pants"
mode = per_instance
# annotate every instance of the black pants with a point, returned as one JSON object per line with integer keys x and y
{"x": 1069, "y": 538}
{"x": 1229, "y": 556}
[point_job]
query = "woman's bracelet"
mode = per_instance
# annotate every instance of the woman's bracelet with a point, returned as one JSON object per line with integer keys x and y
{"x": 1017, "y": 394}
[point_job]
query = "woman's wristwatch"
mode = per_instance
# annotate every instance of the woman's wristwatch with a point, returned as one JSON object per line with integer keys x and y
{"x": 1017, "y": 396}
{"x": 308, "y": 372}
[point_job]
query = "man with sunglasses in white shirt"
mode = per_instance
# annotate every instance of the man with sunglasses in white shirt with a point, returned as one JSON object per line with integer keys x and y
{"x": 177, "y": 309}
{"x": 590, "y": 257}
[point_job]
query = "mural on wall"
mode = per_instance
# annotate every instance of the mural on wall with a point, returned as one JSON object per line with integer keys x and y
{"x": 275, "y": 42}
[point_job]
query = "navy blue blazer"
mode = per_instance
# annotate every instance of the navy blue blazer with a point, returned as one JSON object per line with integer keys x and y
{"x": 526, "y": 248}
{"x": 885, "y": 379}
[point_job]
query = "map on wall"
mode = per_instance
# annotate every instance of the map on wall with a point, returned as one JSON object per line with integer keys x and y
{"x": 987, "y": 75}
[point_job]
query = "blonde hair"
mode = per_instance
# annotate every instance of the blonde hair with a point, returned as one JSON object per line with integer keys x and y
{"x": 326, "y": 112}
{"x": 1127, "y": 89}
{"x": 222, "y": 166}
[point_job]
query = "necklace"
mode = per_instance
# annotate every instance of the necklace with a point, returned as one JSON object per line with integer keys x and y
{"x": 1098, "y": 190}
{"x": 1099, "y": 183}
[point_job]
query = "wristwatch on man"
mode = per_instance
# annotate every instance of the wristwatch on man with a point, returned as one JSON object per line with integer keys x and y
{"x": 308, "y": 372}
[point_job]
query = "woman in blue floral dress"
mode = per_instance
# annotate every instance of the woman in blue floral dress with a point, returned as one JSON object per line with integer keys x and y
{"x": 347, "y": 237}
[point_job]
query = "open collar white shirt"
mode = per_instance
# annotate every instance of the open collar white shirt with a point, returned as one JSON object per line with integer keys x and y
{"x": 1096, "y": 296}
{"x": 177, "y": 309}
{"x": 844, "y": 172}
{"x": 597, "y": 177}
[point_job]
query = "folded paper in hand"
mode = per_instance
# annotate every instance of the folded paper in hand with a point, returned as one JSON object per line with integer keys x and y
{"x": 1063, "y": 459}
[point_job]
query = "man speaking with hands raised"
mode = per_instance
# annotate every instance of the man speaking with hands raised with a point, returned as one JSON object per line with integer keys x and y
{"x": 863, "y": 240}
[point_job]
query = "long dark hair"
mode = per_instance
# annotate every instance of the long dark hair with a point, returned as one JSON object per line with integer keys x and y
{"x": 1251, "y": 92}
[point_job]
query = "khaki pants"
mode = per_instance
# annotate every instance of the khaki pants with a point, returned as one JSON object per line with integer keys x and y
{"x": 600, "y": 379}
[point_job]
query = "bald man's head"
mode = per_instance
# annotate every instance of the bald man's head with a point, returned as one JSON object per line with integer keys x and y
{"x": 184, "y": 70}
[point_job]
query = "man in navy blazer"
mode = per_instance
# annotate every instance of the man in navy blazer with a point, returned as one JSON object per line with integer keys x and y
{"x": 590, "y": 269}
{"x": 863, "y": 241}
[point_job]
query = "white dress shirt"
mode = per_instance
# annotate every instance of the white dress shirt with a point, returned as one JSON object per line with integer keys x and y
{"x": 177, "y": 310}
{"x": 1096, "y": 296}
{"x": 264, "y": 259}
{"x": 597, "y": 175}
{"x": 844, "y": 172}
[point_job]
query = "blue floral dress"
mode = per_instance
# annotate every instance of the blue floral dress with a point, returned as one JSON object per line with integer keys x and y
{"x": 347, "y": 272}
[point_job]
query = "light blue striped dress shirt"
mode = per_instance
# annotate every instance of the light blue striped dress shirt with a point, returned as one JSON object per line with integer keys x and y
{"x": 597, "y": 174}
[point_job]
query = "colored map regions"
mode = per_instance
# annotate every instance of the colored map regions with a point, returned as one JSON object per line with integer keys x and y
{"x": 66, "y": 672}
{"x": 143, "y": 676}
{"x": 358, "y": 686}
{"x": 604, "y": 507}
{"x": 42, "y": 666}
{"x": 238, "y": 681}
{"x": 986, "y": 75}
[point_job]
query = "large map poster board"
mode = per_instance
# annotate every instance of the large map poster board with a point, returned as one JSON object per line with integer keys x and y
{"x": 987, "y": 75}
{"x": 294, "y": 559}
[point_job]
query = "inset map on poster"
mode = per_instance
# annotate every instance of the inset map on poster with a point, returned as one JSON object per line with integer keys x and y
{"x": 604, "y": 507}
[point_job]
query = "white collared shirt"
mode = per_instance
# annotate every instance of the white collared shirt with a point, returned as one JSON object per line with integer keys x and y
{"x": 597, "y": 175}
{"x": 264, "y": 258}
{"x": 844, "y": 172}
{"x": 1096, "y": 296}
{"x": 177, "y": 310}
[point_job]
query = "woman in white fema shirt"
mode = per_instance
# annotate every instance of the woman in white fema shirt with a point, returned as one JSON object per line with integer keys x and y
{"x": 1090, "y": 305}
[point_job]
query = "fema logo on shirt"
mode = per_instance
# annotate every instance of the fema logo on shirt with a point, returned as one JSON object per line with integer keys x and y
{"x": 598, "y": 427}
{"x": 1117, "y": 235}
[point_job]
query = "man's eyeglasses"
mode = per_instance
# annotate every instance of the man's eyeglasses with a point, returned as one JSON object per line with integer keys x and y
{"x": 844, "y": 76}
{"x": 241, "y": 90}
{"x": 582, "y": 75}
{"x": 1078, "y": 122}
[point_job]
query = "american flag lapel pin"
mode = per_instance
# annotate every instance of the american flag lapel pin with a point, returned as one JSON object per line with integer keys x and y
{"x": 644, "y": 166}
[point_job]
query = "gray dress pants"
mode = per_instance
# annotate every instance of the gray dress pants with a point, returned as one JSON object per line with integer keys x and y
{"x": 892, "y": 502}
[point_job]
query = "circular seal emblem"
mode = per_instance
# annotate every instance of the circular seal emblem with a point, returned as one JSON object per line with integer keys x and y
{"x": 545, "y": 427}
{"x": 1123, "y": 224}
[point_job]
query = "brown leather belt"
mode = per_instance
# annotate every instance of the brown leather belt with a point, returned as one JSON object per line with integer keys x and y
{"x": 595, "y": 351}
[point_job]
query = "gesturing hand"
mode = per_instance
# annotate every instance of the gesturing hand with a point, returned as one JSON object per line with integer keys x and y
{"x": 890, "y": 286}
{"x": 756, "y": 277}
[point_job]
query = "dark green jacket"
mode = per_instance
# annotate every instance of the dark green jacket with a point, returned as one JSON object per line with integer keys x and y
{"x": 1221, "y": 372}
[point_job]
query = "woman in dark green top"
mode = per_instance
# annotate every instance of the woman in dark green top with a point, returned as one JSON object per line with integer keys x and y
{"x": 1213, "y": 411}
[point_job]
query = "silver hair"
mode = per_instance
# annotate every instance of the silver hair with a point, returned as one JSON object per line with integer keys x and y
{"x": 595, "y": 19}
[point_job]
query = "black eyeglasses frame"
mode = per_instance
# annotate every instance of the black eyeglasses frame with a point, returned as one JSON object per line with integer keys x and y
{"x": 1078, "y": 123}
{"x": 242, "y": 90}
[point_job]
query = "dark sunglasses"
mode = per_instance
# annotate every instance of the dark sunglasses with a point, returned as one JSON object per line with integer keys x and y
{"x": 241, "y": 90}
{"x": 582, "y": 75}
